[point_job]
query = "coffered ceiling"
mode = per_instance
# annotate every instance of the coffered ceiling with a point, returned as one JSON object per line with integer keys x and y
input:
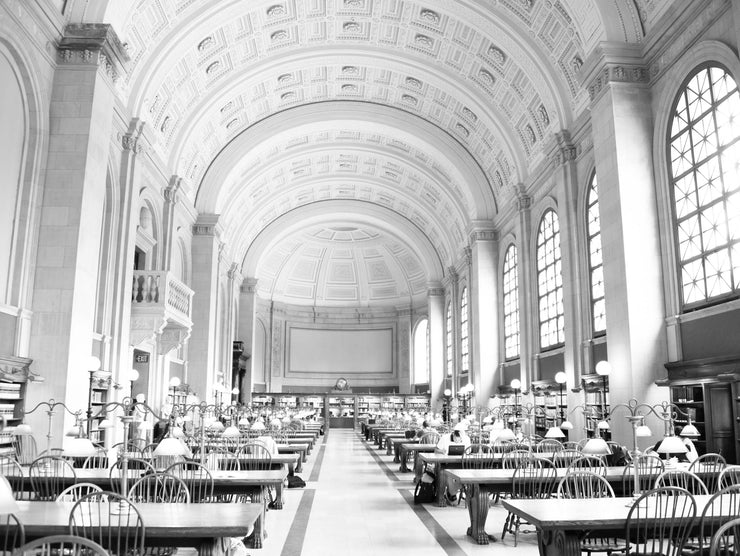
{"x": 428, "y": 110}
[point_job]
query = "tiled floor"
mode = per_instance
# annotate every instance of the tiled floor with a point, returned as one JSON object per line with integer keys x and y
{"x": 354, "y": 504}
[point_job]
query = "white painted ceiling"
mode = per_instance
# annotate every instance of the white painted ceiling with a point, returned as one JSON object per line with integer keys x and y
{"x": 426, "y": 114}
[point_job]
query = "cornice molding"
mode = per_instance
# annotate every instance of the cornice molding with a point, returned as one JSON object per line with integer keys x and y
{"x": 207, "y": 225}
{"x": 94, "y": 44}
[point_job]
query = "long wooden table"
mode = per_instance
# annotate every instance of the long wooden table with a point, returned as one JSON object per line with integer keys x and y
{"x": 276, "y": 462}
{"x": 480, "y": 483}
{"x": 252, "y": 483}
{"x": 560, "y": 523}
{"x": 407, "y": 448}
{"x": 183, "y": 525}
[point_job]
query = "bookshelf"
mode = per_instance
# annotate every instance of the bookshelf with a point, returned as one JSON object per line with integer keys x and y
{"x": 597, "y": 403}
{"x": 100, "y": 383}
{"x": 14, "y": 373}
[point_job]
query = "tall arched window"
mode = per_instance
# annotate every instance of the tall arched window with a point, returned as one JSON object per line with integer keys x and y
{"x": 464, "y": 341}
{"x": 511, "y": 303}
{"x": 448, "y": 338}
{"x": 704, "y": 157}
{"x": 595, "y": 260}
{"x": 550, "y": 281}
{"x": 421, "y": 352}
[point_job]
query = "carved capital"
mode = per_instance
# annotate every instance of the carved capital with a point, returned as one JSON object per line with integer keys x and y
{"x": 206, "y": 225}
{"x": 452, "y": 274}
{"x": 172, "y": 189}
{"x": 522, "y": 200}
{"x": 94, "y": 44}
{"x": 233, "y": 272}
{"x": 616, "y": 73}
{"x": 436, "y": 292}
{"x": 483, "y": 235}
{"x": 248, "y": 286}
{"x": 565, "y": 150}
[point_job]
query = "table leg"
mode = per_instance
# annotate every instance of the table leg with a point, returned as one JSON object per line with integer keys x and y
{"x": 559, "y": 542}
{"x": 299, "y": 465}
{"x": 388, "y": 446}
{"x": 402, "y": 457}
{"x": 257, "y": 496}
{"x": 439, "y": 479}
{"x": 478, "y": 512}
{"x": 278, "y": 505}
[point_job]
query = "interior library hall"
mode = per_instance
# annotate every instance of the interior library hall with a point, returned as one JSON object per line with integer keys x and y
{"x": 369, "y": 277}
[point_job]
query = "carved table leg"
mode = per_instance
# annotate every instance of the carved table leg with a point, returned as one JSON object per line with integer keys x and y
{"x": 478, "y": 512}
{"x": 559, "y": 542}
{"x": 440, "y": 483}
{"x": 278, "y": 505}
{"x": 259, "y": 526}
{"x": 402, "y": 457}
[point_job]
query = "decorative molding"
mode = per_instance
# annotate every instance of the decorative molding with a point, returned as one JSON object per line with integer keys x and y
{"x": 170, "y": 192}
{"x": 94, "y": 44}
{"x": 565, "y": 150}
{"x": 207, "y": 225}
{"x": 617, "y": 73}
{"x": 522, "y": 200}
{"x": 248, "y": 286}
{"x": 483, "y": 235}
{"x": 15, "y": 369}
{"x": 436, "y": 292}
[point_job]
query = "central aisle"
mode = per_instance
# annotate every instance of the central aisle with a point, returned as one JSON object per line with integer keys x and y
{"x": 355, "y": 504}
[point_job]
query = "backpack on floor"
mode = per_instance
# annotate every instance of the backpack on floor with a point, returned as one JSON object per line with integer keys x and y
{"x": 426, "y": 491}
{"x": 294, "y": 481}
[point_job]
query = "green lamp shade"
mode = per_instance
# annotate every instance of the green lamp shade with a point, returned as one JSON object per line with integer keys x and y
{"x": 596, "y": 447}
{"x": 170, "y": 447}
{"x": 24, "y": 429}
{"x": 79, "y": 447}
{"x": 690, "y": 431}
{"x": 231, "y": 432}
{"x": 8, "y": 505}
{"x": 506, "y": 434}
{"x": 672, "y": 445}
{"x": 554, "y": 432}
{"x": 643, "y": 431}
{"x": 566, "y": 425}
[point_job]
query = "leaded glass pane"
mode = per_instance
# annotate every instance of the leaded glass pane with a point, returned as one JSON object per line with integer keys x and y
{"x": 449, "y": 338}
{"x": 511, "y": 303}
{"x": 549, "y": 280}
{"x": 705, "y": 165}
{"x": 464, "y": 351}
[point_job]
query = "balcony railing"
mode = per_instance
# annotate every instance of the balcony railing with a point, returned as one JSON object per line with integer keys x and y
{"x": 159, "y": 288}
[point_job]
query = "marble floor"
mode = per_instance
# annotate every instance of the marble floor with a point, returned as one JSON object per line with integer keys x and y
{"x": 356, "y": 504}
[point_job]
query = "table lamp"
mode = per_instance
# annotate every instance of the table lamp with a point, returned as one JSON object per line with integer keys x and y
{"x": 554, "y": 432}
{"x": 8, "y": 505}
{"x": 672, "y": 445}
{"x": 596, "y": 446}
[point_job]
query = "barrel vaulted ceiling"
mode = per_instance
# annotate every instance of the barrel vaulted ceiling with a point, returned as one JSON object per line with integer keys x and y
{"x": 419, "y": 112}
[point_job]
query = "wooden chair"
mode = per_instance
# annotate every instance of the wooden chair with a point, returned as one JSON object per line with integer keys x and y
{"x": 587, "y": 463}
{"x": 97, "y": 461}
{"x": 61, "y": 544}
{"x": 110, "y": 520}
{"x": 549, "y": 445}
{"x": 659, "y": 521}
{"x": 254, "y": 457}
{"x": 683, "y": 479}
{"x": 49, "y": 476}
{"x": 196, "y": 477}
{"x": 136, "y": 468}
{"x": 709, "y": 466}
{"x": 649, "y": 467}
{"x": 730, "y": 475}
{"x": 221, "y": 458}
{"x": 515, "y": 458}
{"x": 160, "y": 487}
{"x": 12, "y": 534}
{"x": 478, "y": 456}
{"x": 564, "y": 457}
{"x": 726, "y": 541}
{"x": 571, "y": 445}
{"x": 534, "y": 479}
{"x": 430, "y": 437}
{"x": 13, "y": 472}
{"x": 25, "y": 448}
{"x": 723, "y": 503}
{"x": 587, "y": 484}
{"x": 74, "y": 492}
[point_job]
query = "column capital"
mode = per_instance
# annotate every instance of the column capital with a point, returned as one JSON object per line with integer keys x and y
{"x": 234, "y": 274}
{"x": 131, "y": 140}
{"x": 207, "y": 225}
{"x": 613, "y": 63}
{"x": 171, "y": 190}
{"x": 483, "y": 234}
{"x": 522, "y": 200}
{"x": 563, "y": 150}
{"x": 406, "y": 312}
{"x": 248, "y": 286}
{"x": 94, "y": 44}
{"x": 435, "y": 290}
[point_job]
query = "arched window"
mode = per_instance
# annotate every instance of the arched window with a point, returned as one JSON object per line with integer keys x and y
{"x": 448, "y": 338}
{"x": 421, "y": 352}
{"x": 464, "y": 341}
{"x": 704, "y": 157}
{"x": 511, "y": 304}
{"x": 595, "y": 260}
{"x": 550, "y": 281}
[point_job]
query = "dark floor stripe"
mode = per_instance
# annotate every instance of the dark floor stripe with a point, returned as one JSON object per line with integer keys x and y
{"x": 319, "y": 458}
{"x": 444, "y": 539}
{"x": 384, "y": 466}
{"x": 297, "y": 534}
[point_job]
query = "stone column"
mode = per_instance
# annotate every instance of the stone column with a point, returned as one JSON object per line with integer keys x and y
{"x": 622, "y": 122}
{"x": 90, "y": 59}
{"x": 483, "y": 297}
{"x": 436, "y": 301}
{"x": 202, "y": 350}
{"x": 451, "y": 284}
{"x": 527, "y": 284}
{"x": 168, "y": 224}
{"x": 403, "y": 351}
{"x": 245, "y": 331}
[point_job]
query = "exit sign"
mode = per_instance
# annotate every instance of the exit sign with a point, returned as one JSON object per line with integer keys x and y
{"x": 141, "y": 358}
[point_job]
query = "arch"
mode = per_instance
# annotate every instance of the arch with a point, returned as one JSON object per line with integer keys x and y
{"x": 664, "y": 98}
{"x": 420, "y": 358}
{"x": 394, "y": 122}
{"x": 361, "y": 212}
{"x": 620, "y": 19}
{"x": 259, "y": 353}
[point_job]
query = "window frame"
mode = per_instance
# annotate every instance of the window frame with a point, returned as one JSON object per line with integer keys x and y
{"x": 515, "y": 292}
{"x": 449, "y": 356}
{"x": 734, "y": 294}
{"x": 561, "y": 331}
{"x": 593, "y": 187}
{"x": 464, "y": 332}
